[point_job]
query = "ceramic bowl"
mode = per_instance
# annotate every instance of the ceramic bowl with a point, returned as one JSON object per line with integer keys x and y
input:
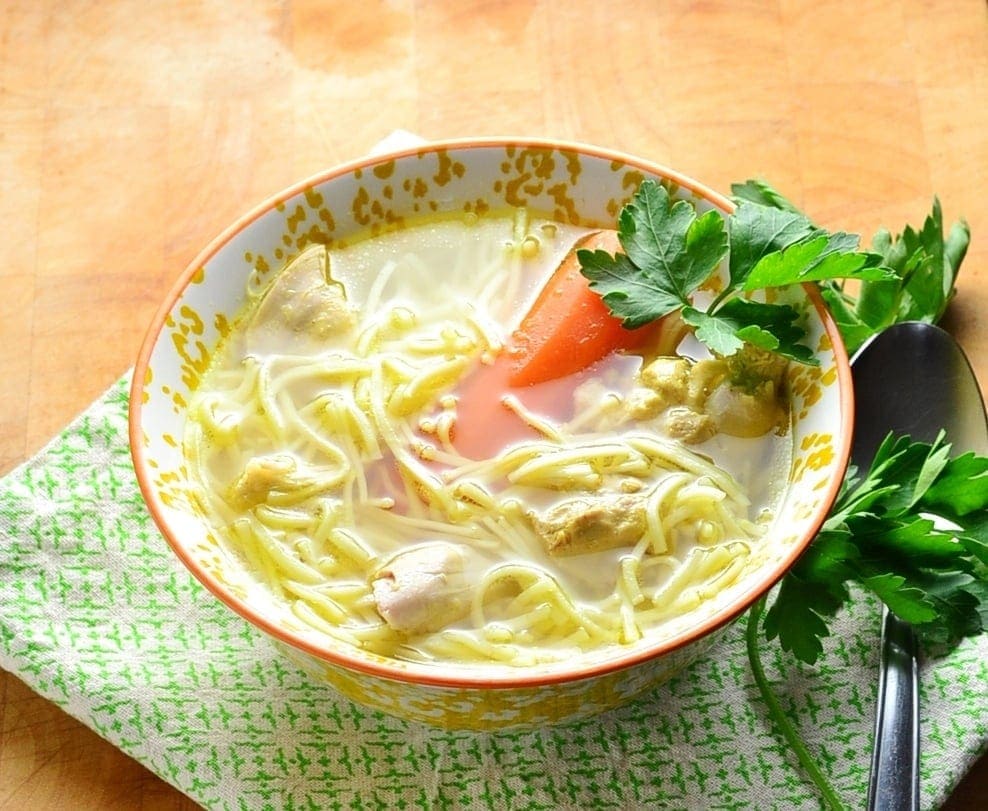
{"x": 577, "y": 184}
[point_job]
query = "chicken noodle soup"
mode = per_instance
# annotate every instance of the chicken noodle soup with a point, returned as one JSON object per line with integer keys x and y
{"x": 336, "y": 441}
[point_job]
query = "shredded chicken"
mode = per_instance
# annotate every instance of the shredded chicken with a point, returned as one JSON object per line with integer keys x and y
{"x": 692, "y": 427}
{"x": 668, "y": 378}
{"x": 282, "y": 475}
{"x": 423, "y": 589}
{"x": 741, "y": 395}
{"x": 304, "y": 305}
{"x": 739, "y": 413}
{"x": 591, "y": 523}
{"x": 261, "y": 476}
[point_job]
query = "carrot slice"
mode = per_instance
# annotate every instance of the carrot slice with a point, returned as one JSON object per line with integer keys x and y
{"x": 567, "y": 330}
{"x": 569, "y": 327}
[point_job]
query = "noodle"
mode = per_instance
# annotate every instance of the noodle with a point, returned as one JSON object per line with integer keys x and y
{"x": 323, "y": 470}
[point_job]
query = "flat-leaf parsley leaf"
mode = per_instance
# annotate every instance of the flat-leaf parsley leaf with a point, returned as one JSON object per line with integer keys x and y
{"x": 670, "y": 251}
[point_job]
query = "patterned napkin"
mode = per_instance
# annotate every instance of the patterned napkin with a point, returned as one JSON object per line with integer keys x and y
{"x": 98, "y": 616}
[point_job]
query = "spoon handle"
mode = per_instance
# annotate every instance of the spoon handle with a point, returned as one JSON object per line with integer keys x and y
{"x": 895, "y": 760}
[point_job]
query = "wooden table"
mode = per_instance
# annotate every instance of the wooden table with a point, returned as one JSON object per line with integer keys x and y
{"x": 133, "y": 132}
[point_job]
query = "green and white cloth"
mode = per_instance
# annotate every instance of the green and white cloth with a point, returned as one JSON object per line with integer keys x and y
{"x": 98, "y": 616}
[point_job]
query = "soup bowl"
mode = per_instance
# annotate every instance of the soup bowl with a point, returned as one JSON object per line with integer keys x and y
{"x": 573, "y": 184}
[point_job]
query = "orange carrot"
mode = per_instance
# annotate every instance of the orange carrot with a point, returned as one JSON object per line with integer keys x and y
{"x": 569, "y": 327}
{"x": 567, "y": 330}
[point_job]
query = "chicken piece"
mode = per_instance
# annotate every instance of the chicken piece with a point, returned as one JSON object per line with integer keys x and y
{"x": 738, "y": 395}
{"x": 750, "y": 367}
{"x": 423, "y": 589}
{"x": 664, "y": 382}
{"x": 749, "y": 402}
{"x": 591, "y": 524}
{"x": 692, "y": 427}
{"x": 740, "y": 413}
{"x": 705, "y": 376}
{"x": 303, "y": 307}
{"x": 262, "y": 475}
{"x": 644, "y": 404}
{"x": 668, "y": 377}
{"x": 283, "y": 475}
{"x": 668, "y": 382}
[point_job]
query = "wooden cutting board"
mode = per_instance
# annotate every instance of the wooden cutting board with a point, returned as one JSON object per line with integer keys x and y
{"x": 131, "y": 133}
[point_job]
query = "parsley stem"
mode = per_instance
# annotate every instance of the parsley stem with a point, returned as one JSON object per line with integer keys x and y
{"x": 778, "y": 715}
{"x": 727, "y": 292}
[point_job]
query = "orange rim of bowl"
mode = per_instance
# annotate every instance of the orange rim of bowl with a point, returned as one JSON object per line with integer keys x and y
{"x": 425, "y": 674}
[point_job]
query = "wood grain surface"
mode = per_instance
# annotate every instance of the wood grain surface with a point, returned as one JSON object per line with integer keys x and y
{"x": 132, "y": 132}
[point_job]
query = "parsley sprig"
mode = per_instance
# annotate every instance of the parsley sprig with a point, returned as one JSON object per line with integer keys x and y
{"x": 922, "y": 265}
{"x": 670, "y": 252}
{"x": 913, "y": 531}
